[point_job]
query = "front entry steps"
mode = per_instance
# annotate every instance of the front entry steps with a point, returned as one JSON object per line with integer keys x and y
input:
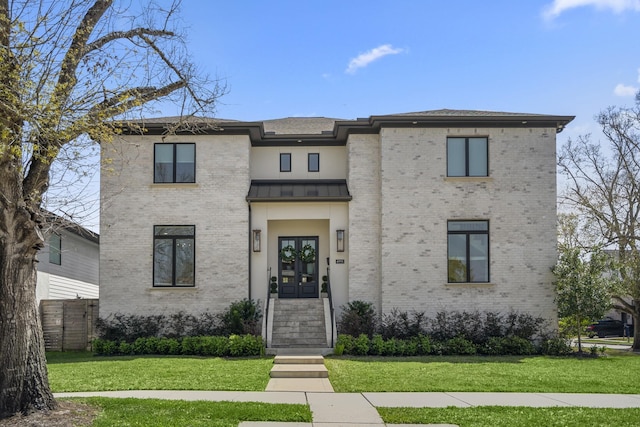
{"x": 298, "y": 323}
{"x": 299, "y": 373}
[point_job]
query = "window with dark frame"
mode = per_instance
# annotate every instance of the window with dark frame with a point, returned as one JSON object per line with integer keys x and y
{"x": 55, "y": 249}
{"x": 285, "y": 162}
{"x": 468, "y": 251}
{"x": 174, "y": 259}
{"x": 467, "y": 156}
{"x": 174, "y": 163}
{"x": 313, "y": 162}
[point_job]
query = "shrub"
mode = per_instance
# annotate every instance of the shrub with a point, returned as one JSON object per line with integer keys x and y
{"x": 459, "y": 345}
{"x": 168, "y": 346}
{"x": 358, "y": 317}
{"x": 130, "y": 327}
{"x": 242, "y": 317}
{"x": 104, "y": 347}
{"x": 191, "y": 346}
{"x": 556, "y": 346}
{"x": 361, "y": 345}
{"x": 346, "y": 342}
{"x": 125, "y": 348}
{"x": 400, "y": 324}
{"x": 424, "y": 345}
{"x": 376, "y": 346}
{"x": 515, "y": 346}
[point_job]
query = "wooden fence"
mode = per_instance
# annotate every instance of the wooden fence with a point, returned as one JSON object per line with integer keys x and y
{"x": 68, "y": 324}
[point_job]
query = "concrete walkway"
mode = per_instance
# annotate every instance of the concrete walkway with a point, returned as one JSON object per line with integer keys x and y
{"x": 358, "y": 409}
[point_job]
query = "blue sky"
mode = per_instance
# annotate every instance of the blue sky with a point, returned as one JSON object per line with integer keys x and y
{"x": 349, "y": 59}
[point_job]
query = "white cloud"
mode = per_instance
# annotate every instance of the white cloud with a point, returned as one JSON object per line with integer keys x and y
{"x": 618, "y": 6}
{"x": 367, "y": 58}
{"x": 624, "y": 90}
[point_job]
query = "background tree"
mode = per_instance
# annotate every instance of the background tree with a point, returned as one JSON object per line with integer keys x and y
{"x": 67, "y": 70}
{"x": 583, "y": 279}
{"x": 604, "y": 189}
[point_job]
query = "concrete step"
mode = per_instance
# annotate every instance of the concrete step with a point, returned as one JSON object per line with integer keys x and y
{"x": 299, "y": 371}
{"x": 290, "y": 351}
{"x": 299, "y": 360}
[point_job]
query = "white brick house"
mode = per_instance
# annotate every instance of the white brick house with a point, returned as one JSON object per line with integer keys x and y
{"x": 429, "y": 211}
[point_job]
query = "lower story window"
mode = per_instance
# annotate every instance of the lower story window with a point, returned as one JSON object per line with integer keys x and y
{"x": 174, "y": 255}
{"x": 468, "y": 247}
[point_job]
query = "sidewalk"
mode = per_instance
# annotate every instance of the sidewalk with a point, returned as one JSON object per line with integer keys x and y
{"x": 359, "y": 409}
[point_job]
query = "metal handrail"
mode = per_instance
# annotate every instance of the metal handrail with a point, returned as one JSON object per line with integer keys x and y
{"x": 266, "y": 311}
{"x": 330, "y": 302}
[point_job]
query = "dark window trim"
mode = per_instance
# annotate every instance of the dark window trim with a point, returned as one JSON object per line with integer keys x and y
{"x": 466, "y": 156}
{"x": 175, "y": 162}
{"x": 468, "y": 248}
{"x": 283, "y": 156}
{"x": 173, "y": 258}
{"x": 55, "y": 250}
{"x": 309, "y": 162}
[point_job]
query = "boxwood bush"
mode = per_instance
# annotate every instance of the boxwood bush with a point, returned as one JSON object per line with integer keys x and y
{"x": 218, "y": 346}
{"x": 399, "y": 333}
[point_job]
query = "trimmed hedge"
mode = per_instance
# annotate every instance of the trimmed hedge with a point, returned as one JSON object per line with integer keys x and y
{"x": 218, "y": 346}
{"x": 424, "y": 346}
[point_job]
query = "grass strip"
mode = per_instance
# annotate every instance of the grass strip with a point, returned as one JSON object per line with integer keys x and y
{"x": 502, "y": 416}
{"x": 175, "y": 413}
{"x": 490, "y": 374}
{"x": 69, "y": 373}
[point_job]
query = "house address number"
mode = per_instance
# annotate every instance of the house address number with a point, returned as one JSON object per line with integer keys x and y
{"x": 339, "y": 261}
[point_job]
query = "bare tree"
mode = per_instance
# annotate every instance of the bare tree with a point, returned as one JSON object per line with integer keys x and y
{"x": 68, "y": 71}
{"x": 604, "y": 189}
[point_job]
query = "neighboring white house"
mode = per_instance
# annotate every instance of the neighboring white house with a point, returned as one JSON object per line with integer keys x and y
{"x": 428, "y": 211}
{"x": 68, "y": 265}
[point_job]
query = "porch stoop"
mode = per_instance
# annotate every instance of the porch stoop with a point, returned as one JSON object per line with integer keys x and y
{"x": 299, "y": 324}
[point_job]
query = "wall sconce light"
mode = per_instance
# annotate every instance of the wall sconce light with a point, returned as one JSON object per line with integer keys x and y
{"x": 256, "y": 240}
{"x": 340, "y": 240}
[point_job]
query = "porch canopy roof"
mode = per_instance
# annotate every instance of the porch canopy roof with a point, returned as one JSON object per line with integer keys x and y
{"x": 299, "y": 191}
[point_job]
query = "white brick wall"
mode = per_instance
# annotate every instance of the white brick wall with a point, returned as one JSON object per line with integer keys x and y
{"x": 364, "y": 218}
{"x": 132, "y": 205}
{"x": 397, "y": 222}
{"x": 518, "y": 200}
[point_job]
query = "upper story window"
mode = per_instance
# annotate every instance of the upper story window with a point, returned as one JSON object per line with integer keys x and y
{"x": 174, "y": 255}
{"x": 467, "y": 157}
{"x": 285, "y": 162}
{"x": 174, "y": 163}
{"x": 468, "y": 251}
{"x": 313, "y": 162}
{"x": 55, "y": 249}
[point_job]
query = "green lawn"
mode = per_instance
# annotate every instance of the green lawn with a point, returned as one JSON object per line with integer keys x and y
{"x": 70, "y": 372}
{"x": 612, "y": 374}
{"x": 176, "y": 413}
{"x": 500, "y": 416}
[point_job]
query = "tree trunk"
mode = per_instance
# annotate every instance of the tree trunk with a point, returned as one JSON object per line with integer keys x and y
{"x": 24, "y": 384}
{"x": 636, "y": 325}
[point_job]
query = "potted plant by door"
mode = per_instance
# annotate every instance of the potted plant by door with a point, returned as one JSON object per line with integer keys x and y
{"x": 324, "y": 293}
{"x": 273, "y": 286}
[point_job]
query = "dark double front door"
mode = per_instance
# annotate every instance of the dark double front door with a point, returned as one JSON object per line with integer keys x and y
{"x": 298, "y": 267}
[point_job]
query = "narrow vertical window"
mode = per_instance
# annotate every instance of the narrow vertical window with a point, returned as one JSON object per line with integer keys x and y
{"x": 174, "y": 255}
{"x": 314, "y": 162}
{"x": 467, "y": 157}
{"x": 468, "y": 251}
{"x": 174, "y": 163}
{"x": 55, "y": 249}
{"x": 285, "y": 162}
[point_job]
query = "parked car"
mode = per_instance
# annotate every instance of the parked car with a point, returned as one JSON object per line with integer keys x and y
{"x": 606, "y": 327}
